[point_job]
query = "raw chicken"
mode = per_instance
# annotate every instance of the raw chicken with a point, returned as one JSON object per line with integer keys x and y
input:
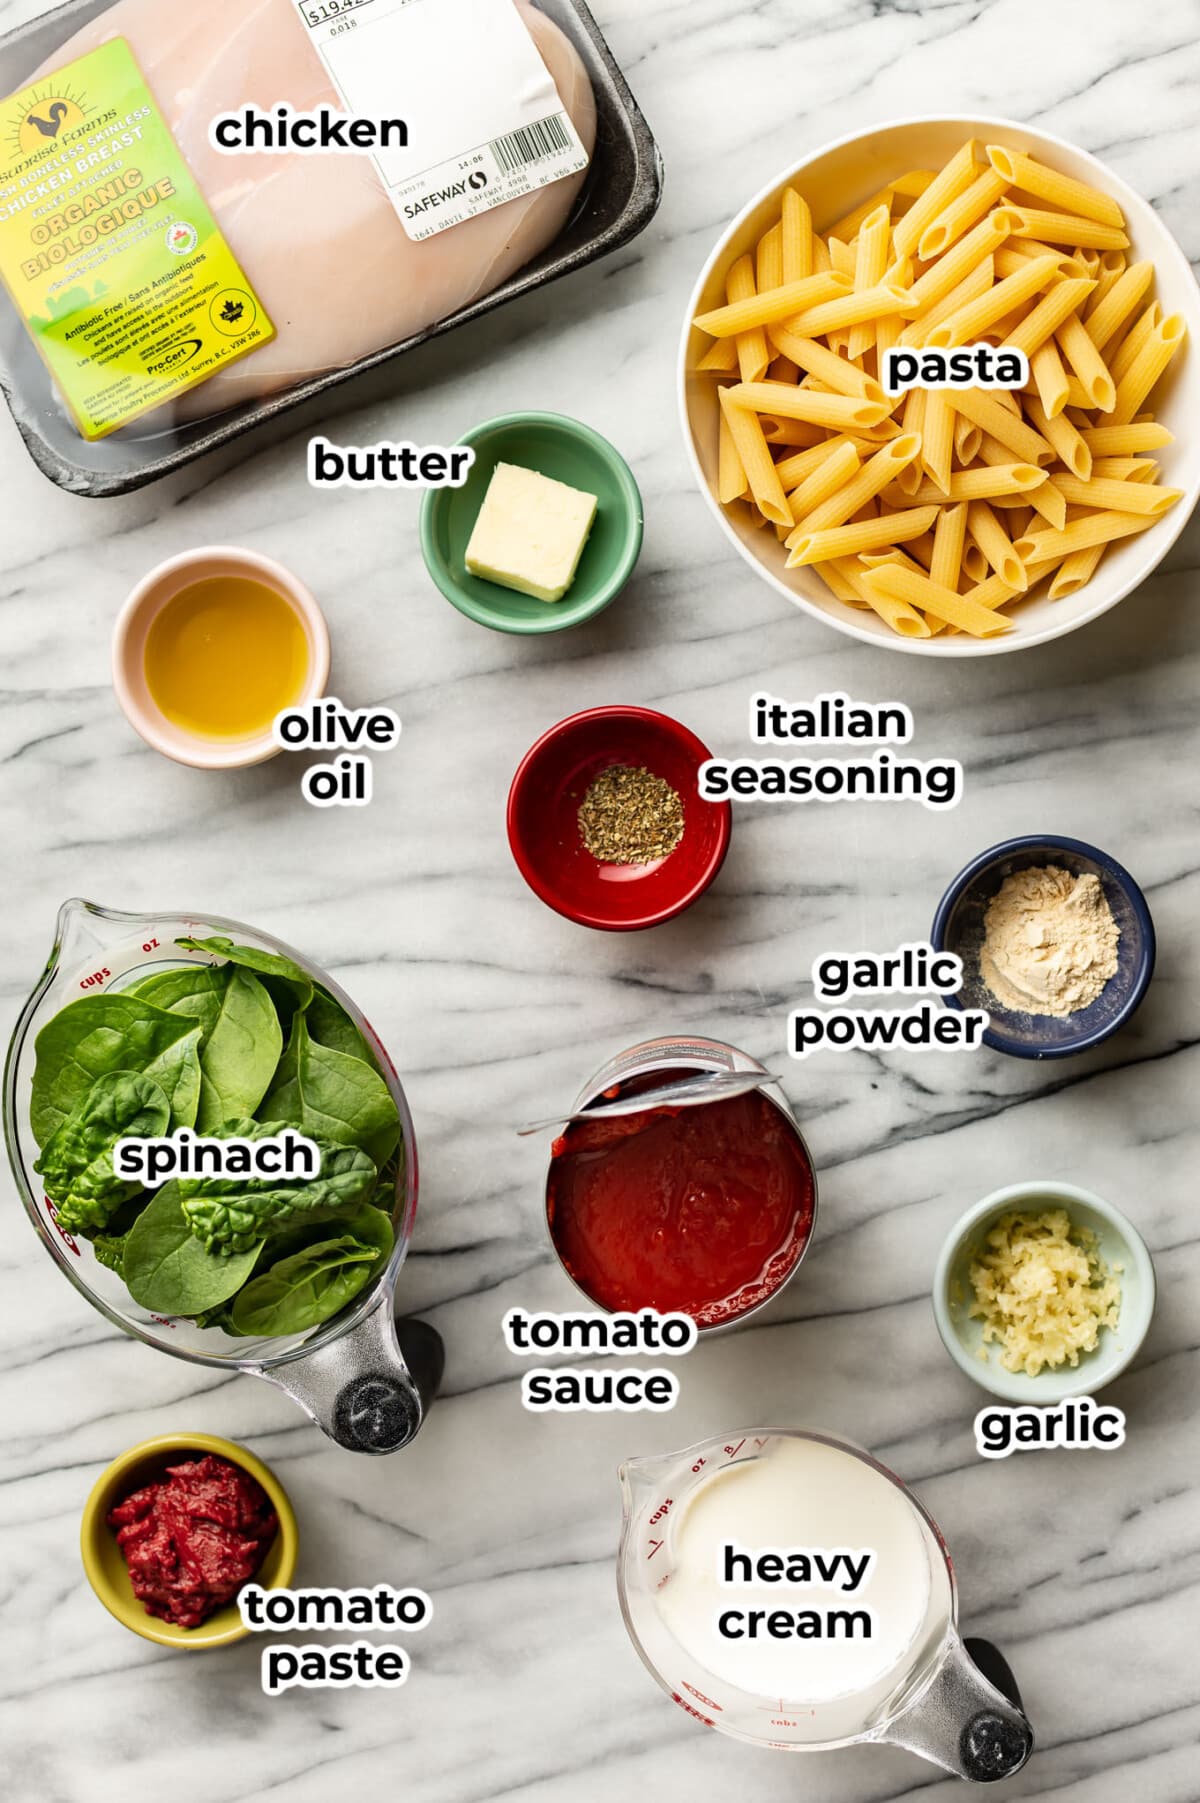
{"x": 316, "y": 234}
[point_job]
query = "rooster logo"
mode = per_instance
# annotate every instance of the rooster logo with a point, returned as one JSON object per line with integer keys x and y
{"x": 50, "y": 127}
{"x": 42, "y": 118}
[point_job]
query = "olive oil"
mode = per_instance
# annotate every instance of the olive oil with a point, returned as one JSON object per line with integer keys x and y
{"x": 225, "y": 656}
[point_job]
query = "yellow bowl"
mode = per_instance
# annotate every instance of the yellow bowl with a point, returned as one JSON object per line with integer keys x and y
{"x": 104, "y": 1562}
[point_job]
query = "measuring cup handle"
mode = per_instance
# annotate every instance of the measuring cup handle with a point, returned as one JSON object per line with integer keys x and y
{"x": 964, "y": 1721}
{"x": 370, "y": 1390}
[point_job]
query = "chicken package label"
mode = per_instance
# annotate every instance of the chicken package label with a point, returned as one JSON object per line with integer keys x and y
{"x": 486, "y": 123}
{"x": 116, "y": 266}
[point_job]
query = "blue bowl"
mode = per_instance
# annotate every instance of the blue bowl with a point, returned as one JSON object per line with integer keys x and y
{"x": 958, "y": 927}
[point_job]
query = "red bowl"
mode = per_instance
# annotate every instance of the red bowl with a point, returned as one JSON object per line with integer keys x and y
{"x": 543, "y": 820}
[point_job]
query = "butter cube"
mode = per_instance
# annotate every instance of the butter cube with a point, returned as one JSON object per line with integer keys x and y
{"x": 530, "y": 533}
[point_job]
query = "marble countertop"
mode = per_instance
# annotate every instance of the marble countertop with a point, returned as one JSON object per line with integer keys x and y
{"x": 1084, "y": 1568}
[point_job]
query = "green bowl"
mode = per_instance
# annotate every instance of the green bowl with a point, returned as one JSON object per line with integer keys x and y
{"x": 1119, "y": 1243}
{"x": 567, "y": 451}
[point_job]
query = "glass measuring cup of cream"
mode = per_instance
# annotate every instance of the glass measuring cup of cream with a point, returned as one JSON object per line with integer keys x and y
{"x": 787, "y": 1589}
{"x": 365, "y": 1379}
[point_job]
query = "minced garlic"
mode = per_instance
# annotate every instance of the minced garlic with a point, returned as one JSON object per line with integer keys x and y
{"x": 1043, "y": 1291}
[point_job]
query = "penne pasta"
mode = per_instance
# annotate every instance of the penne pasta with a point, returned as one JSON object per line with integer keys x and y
{"x": 1040, "y": 325}
{"x": 949, "y": 270}
{"x": 973, "y": 320}
{"x": 756, "y": 460}
{"x": 784, "y": 402}
{"x": 991, "y": 416}
{"x": 954, "y": 179}
{"x": 1111, "y": 310}
{"x": 752, "y": 354}
{"x": 866, "y": 535}
{"x": 1091, "y": 529}
{"x": 1161, "y": 344}
{"x": 892, "y": 582}
{"x": 937, "y": 439}
{"x": 863, "y": 487}
{"x": 1067, "y": 228}
{"x": 1081, "y": 353}
{"x": 871, "y": 260}
{"x": 732, "y": 481}
{"x": 1069, "y": 444}
{"x": 935, "y": 506}
{"x": 962, "y": 213}
{"x": 1119, "y": 497}
{"x": 1050, "y": 378}
{"x": 976, "y": 282}
{"x": 829, "y": 476}
{"x": 1126, "y": 441}
{"x": 850, "y": 310}
{"x": 1064, "y": 194}
{"x": 781, "y": 303}
{"x": 985, "y": 530}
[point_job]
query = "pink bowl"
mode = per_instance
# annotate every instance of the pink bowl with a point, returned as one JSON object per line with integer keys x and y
{"x": 129, "y": 653}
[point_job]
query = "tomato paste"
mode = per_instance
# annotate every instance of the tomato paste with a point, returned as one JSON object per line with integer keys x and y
{"x": 704, "y": 1211}
{"x": 192, "y": 1538}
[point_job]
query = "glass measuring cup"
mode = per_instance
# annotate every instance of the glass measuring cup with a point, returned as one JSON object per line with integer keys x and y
{"x": 936, "y": 1701}
{"x": 351, "y": 1374}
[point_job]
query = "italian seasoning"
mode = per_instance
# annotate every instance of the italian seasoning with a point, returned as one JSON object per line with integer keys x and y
{"x": 630, "y": 816}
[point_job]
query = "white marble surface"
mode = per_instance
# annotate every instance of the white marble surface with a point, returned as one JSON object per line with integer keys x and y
{"x": 1086, "y": 1569}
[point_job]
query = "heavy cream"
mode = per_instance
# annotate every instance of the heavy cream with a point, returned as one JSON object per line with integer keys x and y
{"x": 803, "y": 1575}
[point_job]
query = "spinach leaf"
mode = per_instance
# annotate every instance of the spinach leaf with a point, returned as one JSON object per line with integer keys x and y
{"x": 331, "y": 1096}
{"x": 231, "y": 1214}
{"x": 167, "y": 1269}
{"x": 242, "y": 1040}
{"x": 331, "y": 1026}
{"x": 302, "y": 1291}
{"x": 291, "y": 988}
{"x": 100, "y": 1034}
{"x": 77, "y": 1163}
{"x": 110, "y": 1251}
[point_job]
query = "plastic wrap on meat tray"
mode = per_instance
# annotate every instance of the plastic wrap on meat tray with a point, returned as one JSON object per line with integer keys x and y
{"x": 316, "y": 233}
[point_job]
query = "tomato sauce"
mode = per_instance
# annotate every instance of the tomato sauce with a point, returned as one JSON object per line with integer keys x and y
{"x": 701, "y": 1211}
{"x": 192, "y": 1538}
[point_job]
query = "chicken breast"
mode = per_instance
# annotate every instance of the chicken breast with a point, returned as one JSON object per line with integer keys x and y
{"x": 316, "y": 234}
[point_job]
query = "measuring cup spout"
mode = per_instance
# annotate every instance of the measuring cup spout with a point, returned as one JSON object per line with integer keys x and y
{"x": 969, "y": 1723}
{"x": 371, "y": 1389}
{"x": 640, "y": 1479}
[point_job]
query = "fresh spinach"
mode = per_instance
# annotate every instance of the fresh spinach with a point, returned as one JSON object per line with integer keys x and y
{"x": 167, "y": 1269}
{"x": 231, "y": 1214}
{"x": 242, "y": 1039}
{"x": 102, "y": 1034}
{"x": 77, "y": 1162}
{"x": 302, "y": 1291}
{"x": 291, "y": 988}
{"x": 332, "y": 1096}
{"x": 331, "y": 1026}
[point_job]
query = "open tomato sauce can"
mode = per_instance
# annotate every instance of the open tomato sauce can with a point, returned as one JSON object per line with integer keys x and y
{"x": 704, "y": 1210}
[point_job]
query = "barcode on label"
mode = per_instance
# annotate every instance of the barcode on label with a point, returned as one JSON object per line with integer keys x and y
{"x": 532, "y": 144}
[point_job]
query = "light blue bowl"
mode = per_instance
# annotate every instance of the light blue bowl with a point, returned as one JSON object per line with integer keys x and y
{"x": 1120, "y": 1243}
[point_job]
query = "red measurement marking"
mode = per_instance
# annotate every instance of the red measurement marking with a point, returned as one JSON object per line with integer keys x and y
{"x": 151, "y": 945}
{"x": 63, "y": 1235}
{"x": 701, "y": 1698}
{"x": 733, "y": 1451}
{"x": 695, "y": 1713}
{"x": 661, "y": 1512}
{"x": 656, "y": 1546}
{"x": 699, "y": 1466}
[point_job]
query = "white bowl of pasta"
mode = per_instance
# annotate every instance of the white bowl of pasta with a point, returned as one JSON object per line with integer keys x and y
{"x": 948, "y": 522}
